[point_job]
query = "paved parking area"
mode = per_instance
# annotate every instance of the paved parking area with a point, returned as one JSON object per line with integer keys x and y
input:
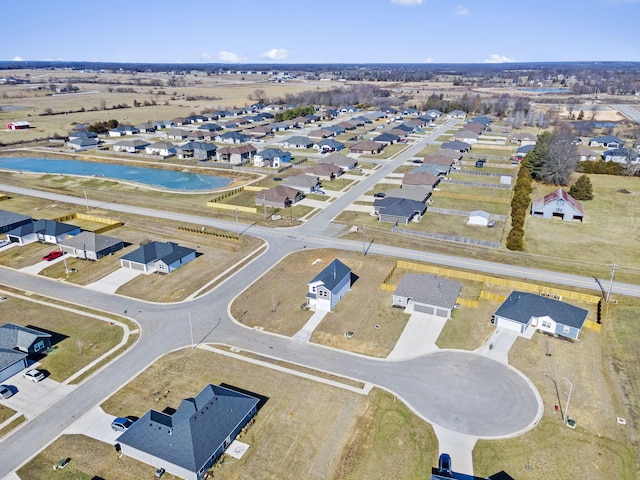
{"x": 112, "y": 282}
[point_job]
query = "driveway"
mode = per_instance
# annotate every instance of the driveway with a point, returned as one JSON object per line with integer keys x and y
{"x": 418, "y": 337}
{"x": 41, "y": 265}
{"x": 95, "y": 424}
{"x": 113, "y": 281}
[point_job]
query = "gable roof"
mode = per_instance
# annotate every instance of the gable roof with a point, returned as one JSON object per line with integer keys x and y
{"x": 44, "y": 227}
{"x": 558, "y": 194}
{"x": 302, "y": 180}
{"x": 429, "y": 289}
{"x": 190, "y": 436}
{"x": 167, "y": 252}
{"x": 340, "y": 160}
{"x": 332, "y": 275}
{"x": 456, "y": 145}
{"x": 521, "y": 306}
{"x": 90, "y": 241}
{"x": 271, "y": 153}
{"x": 398, "y": 207}
{"x": 10, "y": 218}
{"x": 419, "y": 178}
{"x": 279, "y": 193}
{"x": 16, "y": 336}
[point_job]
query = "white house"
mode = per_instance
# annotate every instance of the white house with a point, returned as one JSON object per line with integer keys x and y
{"x": 329, "y": 286}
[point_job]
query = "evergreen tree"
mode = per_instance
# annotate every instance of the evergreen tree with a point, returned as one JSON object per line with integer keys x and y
{"x": 582, "y": 189}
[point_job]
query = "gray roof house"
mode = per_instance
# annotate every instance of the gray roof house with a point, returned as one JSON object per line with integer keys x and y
{"x": 90, "y": 245}
{"x": 328, "y": 145}
{"x": 130, "y": 146}
{"x": 16, "y": 344}
{"x": 522, "y": 310}
{"x": 48, "y": 231}
{"x": 419, "y": 193}
{"x": 158, "y": 257}
{"x": 271, "y": 157}
{"x": 11, "y": 220}
{"x": 329, "y": 286}
{"x": 163, "y": 149}
{"x": 303, "y": 182}
{"x": 347, "y": 163}
{"x": 198, "y": 150}
{"x": 398, "y": 210}
{"x": 280, "y": 196}
{"x": 421, "y": 292}
{"x": 297, "y": 141}
{"x": 456, "y": 145}
{"x": 558, "y": 204}
{"x": 188, "y": 443}
{"x": 82, "y": 143}
{"x": 606, "y": 141}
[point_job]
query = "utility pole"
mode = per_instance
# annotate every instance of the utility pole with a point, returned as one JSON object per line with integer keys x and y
{"x": 364, "y": 250}
{"x": 613, "y": 273}
{"x": 86, "y": 200}
{"x": 566, "y": 410}
{"x": 191, "y": 328}
{"x": 237, "y": 224}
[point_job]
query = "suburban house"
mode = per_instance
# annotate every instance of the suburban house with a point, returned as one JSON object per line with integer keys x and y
{"x": 558, "y": 204}
{"x": 466, "y": 136}
{"x": 425, "y": 293}
{"x": 16, "y": 344}
{"x": 398, "y": 210}
{"x": 198, "y": 150}
{"x": 457, "y": 114}
{"x": 346, "y": 163}
{"x": 522, "y": 310}
{"x": 585, "y": 153}
{"x": 236, "y": 155}
{"x": 324, "y": 171}
{"x": 303, "y": 182}
{"x": 232, "y": 137}
{"x": 329, "y": 286}
{"x": 130, "y": 146}
{"x": 606, "y": 141}
{"x": 523, "y": 138}
{"x": 456, "y": 145}
{"x": 161, "y": 257}
{"x": 280, "y": 196}
{"x": 90, "y": 245}
{"x": 420, "y": 178}
{"x": 82, "y": 143}
{"x": 297, "y": 142}
{"x": 119, "y": 131}
{"x": 475, "y": 127}
{"x": 10, "y": 220}
{"x": 433, "y": 114}
{"x": 368, "y": 147}
{"x": 146, "y": 128}
{"x": 386, "y": 138}
{"x": 522, "y": 151}
{"x": 328, "y": 145}
{"x": 188, "y": 442}
{"x": 418, "y": 193}
{"x": 47, "y": 231}
{"x": 479, "y": 217}
{"x": 271, "y": 157}
{"x": 452, "y": 154}
{"x": 164, "y": 149}
{"x": 620, "y": 155}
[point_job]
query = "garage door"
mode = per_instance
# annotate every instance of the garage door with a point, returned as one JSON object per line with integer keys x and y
{"x": 418, "y": 307}
{"x": 12, "y": 370}
{"x": 442, "y": 313}
{"x": 508, "y": 324}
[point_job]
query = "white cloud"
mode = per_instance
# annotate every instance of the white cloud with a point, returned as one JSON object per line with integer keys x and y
{"x": 407, "y": 3}
{"x": 206, "y": 57}
{"x": 276, "y": 54}
{"x": 460, "y": 10}
{"x": 428, "y": 60}
{"x": 18, "y": 58}
{"x": 495, "y": 58}
{"x": 231, "y": 57}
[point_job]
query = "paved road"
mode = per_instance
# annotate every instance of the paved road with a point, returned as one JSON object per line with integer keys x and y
{"x": 630, "y": 111}
{"x": 452, "y": 389}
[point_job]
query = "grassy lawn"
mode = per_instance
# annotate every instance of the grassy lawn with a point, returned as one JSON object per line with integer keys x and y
{"x": 468, "y": 328}
{"x": 613, "y": 218}
{"x": 605, "y": 386}
{"x": 477, "y": 149}
{"x": 469, "y": 205}
{"x": 469, "y": 177}
{"x": 359, "y": 312}
{"x": 298, "y": 421}
{"x": 480, "y": 191}
{"x": 5, "y": 413}
{"x": 337, "y": 184}
{"x": 77, "y": 339}
{"x": 456, "y": 225}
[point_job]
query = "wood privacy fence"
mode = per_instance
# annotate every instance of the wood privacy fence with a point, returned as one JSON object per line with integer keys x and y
{"x": 109, "y": 223}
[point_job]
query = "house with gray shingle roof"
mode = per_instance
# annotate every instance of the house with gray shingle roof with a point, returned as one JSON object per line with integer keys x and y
{"x": 164, "y": 149}
{"x": 158, "y": 257}
{"x": 419, "y": 193}
{"x": 456, "y": 145}
{"x": 522, "y": 310}
{"x": 303, "y": 182}
{"x": 271, "y": 158}
{"x": 398, "y": 210}
{"x": 198, "y": 150}
{"x": 328, "y": 145}
{"x": 90, "y": 245}
{"x": 11, "y": 220}
{"x": 606, "y": 141}
{"x": 421, "y": 292}
{"x": 280, "y": 196}
{"x": 82, "y": 143}
{"x": 16, "y": 344}
{"x": 130, "y": 146}
{"x": 329, "y": 286}
{"x": 297, "y": 141}
{"x": 47, "y": 231}
{"x": 347, "y": 163}
{"x": 188, "y": 442}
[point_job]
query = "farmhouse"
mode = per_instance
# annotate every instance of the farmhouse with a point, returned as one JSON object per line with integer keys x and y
{"x": 158, "y": 257}
{"x": 91, "y": 246}
{"x": 16, "y": 344}
{"x": 47, "y": 231}
{"x": 188, "y": 442}
{"x": 558, "y": 204}
{"x": 426, "y": 293}
{"x": 522, "y": 310}
{"x": 329, "y": 286}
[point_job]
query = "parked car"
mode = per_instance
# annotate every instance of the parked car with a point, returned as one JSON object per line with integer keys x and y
{"x": 5, "y": 392}
{"x": 417, "y": 160}
{"x": 4, "y": 243}
{"x": 120, "y": 424}
{"x": 491, "y": 223}
{"x": 379, "y": 195}
{"x": 159, "y": 472}
{"x": 34, "y": 375}
{"x": 444, "y": 465}
{"x": 52, "y": 255}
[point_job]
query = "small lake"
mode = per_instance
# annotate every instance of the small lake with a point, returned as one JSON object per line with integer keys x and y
{"x": 155, "y": 177}
{"x": 546, "y": 90}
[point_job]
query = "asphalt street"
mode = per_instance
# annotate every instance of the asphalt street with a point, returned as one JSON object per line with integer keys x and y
{"x": 460, "y": 391}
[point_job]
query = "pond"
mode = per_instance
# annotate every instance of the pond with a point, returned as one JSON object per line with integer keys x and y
{"x": 155, "y": 177}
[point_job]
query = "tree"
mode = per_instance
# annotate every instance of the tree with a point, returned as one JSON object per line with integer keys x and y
{"x": 582, "y": 189}
{"x": 554, "y": 157}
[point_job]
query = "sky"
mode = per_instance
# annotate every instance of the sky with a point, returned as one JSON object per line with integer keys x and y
{"x": 320, "y": 31}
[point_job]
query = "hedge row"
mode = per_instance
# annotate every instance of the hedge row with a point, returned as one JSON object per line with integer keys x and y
{"x": 519, "y": 207}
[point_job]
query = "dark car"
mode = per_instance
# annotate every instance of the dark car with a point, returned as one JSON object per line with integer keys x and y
{"x": 417, "y": 160}
{"x": 52, "y": 255}
{"x": 444, "y": 464}
{"x": 379, "y": 195}
{"x": 120, "y": 424}
{"x": 277, "y": 179}
{"x": 159, "y": 472}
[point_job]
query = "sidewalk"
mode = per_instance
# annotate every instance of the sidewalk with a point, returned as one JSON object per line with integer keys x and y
{"x": 305, "y": 332}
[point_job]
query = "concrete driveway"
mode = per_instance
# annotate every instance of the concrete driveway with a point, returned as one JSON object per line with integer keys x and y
{"x": 418, "y": 337}
{"x": 41, "y": 265}
{"x": 112, "y": 282}
{"x": 95, "y": 424}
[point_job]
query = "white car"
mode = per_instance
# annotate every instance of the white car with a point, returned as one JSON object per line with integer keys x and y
{"x": 34, "y": 375}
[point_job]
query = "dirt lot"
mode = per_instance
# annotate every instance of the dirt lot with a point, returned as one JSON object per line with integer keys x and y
{"x": 364, "y": 307}
{"x": 298, "y": 419}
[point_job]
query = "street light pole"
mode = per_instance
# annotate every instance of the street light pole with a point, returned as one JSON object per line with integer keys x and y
{"x": 86, "y": 200}
{"x": 566, "y": 410}
{"x": 613, "y": 273}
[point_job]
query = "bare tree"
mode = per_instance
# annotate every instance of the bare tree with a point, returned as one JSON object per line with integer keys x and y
{"x": 561, "y": 157}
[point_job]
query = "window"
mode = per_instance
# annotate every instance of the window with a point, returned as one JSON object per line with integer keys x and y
{"x": 546, "y": 324}
{"x": 38, "y": 346}
{"x": 566, "y": 329}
